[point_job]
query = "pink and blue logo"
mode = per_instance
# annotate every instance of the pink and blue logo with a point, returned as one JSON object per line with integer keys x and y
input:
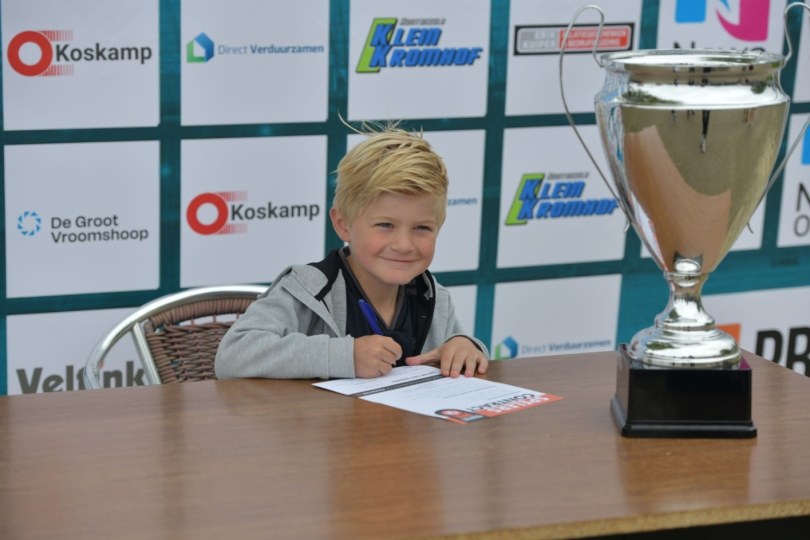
{"x": 746, "y": 20}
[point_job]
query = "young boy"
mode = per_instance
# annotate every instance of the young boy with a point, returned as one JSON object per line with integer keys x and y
{"x": 390, "y": 202}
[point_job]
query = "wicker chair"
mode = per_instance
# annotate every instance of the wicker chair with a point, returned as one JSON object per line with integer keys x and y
{"x": 176, "y": 336}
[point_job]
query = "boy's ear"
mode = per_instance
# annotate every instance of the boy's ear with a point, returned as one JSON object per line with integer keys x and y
{"x": 339, "y": 223}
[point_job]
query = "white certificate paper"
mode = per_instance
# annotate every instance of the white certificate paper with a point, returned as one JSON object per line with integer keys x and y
{"x": 423, "y": 390}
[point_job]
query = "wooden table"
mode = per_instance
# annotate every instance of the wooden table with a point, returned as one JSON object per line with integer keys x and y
{"x": 273, "y": 459}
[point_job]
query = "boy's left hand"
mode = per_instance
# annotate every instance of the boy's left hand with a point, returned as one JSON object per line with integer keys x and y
{"x": 456, "y": 356}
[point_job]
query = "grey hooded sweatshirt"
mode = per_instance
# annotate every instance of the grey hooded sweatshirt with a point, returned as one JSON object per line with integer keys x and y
{"x": 297, "y": 329}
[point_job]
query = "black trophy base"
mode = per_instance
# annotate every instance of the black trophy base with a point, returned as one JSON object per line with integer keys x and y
{"x": 685, "y": 402}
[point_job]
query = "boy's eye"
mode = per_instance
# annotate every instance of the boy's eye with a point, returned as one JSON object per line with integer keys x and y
{"x": 385, "y": 225}
{"x": 427, "y": 228}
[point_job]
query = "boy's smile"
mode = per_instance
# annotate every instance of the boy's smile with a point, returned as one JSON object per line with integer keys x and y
{"x": 392, "y": 241}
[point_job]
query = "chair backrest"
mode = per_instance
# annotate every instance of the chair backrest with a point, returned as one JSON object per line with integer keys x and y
{"x": 176, "y": 336}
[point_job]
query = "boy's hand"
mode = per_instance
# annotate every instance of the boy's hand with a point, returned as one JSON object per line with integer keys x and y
{"x": 455, "y": 356}
{"x": 375, "y": 356}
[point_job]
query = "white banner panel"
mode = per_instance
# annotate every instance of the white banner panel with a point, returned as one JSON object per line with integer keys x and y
{"x": 463, "y": 154}
{"x": 794, "y": 214}
{"x": 555, "y": 316}
{"x": 82, "y": 218}
{"x": 250, "y": 207}
{"x": 728, "y": 24}
{"x": 80, "y": 64}
{"x": 253, "y": 62}
{"x": 774, "y": 324}
{"x": 465, "y": 300}
{"x": 555, "y": 208}
{"x": 56, "y": 364}
{"x": 536, "y": 32}
{"x": 418, "y": 59}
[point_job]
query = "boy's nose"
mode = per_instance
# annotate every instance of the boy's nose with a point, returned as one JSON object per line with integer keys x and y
{"x": 403, "y": 241}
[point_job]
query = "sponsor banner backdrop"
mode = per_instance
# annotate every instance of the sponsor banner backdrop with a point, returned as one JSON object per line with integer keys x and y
{"x": 463, "y": 155}
{"x": 736, "y": 24}
{"x": 794, "y": 216}
{"x": 774, "y": 324}
{"x": 80, "y": 64}
{"x": 254, "y": 62}
{"x": 82, "y": 218}
{"x": 555, "y": 208}
{"x": 536, "y": 32}
{"x": 250, "y": 207}
{"x": 555, "y": 316}
{"x": 464, "y": 299}
{"x": 418, "y": 59}
{"x": 150, "y": 147}
{"x": 57, "y": 364}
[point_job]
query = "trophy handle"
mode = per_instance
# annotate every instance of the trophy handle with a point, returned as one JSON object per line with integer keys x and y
{"x": 570, "y": 118}
{"x": 795, "y": 144}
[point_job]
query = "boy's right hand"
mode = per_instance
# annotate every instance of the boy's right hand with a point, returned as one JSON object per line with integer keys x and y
{"x": 375, "y": 356}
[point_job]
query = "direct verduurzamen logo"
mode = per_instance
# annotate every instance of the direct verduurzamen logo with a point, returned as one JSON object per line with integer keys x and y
{"x": 202, "y": 49}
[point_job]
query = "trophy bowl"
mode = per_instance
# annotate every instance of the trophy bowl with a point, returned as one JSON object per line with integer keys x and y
{"x": 691, "y": 137}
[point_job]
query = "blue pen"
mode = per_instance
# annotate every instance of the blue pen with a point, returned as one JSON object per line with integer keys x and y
{"x": 371, "y": 317}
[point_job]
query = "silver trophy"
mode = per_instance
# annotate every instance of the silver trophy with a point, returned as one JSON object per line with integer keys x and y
{"x": 691, "y": 137}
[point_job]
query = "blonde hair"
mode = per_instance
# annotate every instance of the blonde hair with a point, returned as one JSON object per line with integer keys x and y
{"x": 392, "y": 161}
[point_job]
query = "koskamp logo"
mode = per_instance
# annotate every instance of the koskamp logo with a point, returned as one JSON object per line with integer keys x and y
{"x": 746, "y": 20}
{"x": 414, "y": 44}
{"x": 226, "y": 212}
{"x": 50, "y": 53}
{"x": 555, "y": 196}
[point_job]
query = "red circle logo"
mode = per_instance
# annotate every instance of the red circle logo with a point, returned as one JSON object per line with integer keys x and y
{"x": 194, "y": 207}
{"x": 38, "y": 39}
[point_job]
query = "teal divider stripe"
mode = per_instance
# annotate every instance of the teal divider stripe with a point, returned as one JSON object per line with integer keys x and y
{"x": 338, "y": 108}
{"x": 169, "y": 129}
{"x": 493, "y": 145}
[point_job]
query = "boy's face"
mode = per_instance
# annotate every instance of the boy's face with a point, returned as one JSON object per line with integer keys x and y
{"x": 392, "y": 241}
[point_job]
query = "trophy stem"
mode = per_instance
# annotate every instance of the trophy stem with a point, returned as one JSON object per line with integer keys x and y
{"x": 684, "y": 335}
{"x": 685, "y": 309}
